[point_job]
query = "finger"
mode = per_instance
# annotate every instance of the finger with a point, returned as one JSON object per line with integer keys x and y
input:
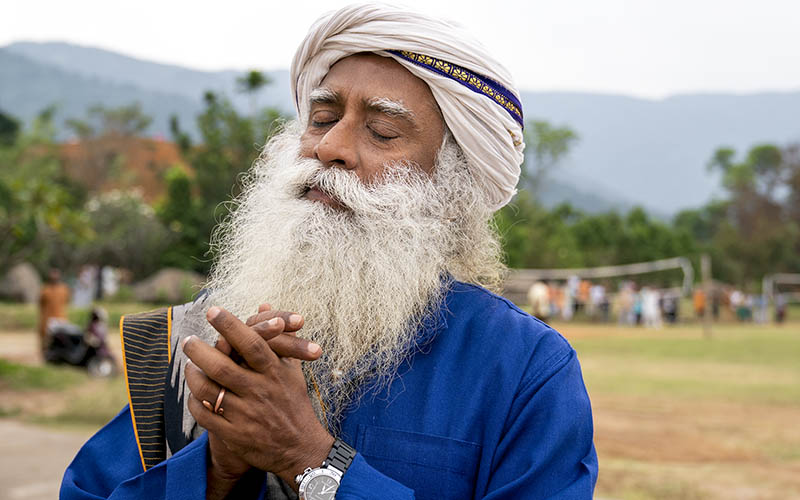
{"x": 209, "y": 420}
{"x": 261, "y": 308}
{"x": 200, "y": 386}
{"x": 223, "y": 346}
{"x": 215, "y": 365}
{"x": 293, "y": 321}
{"x": 255, "y": 351}
{"x": 208, "y": 393}
{"x": 269, "y": 328}
{"x": 289, "y": 346}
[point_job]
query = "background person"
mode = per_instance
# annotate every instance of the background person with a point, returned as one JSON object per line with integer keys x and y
{"x": 53, "y": 302}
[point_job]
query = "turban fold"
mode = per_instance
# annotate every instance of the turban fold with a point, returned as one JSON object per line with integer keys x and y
{"x": 474, "y": 92}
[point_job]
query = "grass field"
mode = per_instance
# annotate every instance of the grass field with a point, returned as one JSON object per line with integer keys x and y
{"x": 677, "y": 416}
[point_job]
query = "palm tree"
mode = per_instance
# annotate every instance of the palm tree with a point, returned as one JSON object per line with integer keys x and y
{"x": 250, "y": 83}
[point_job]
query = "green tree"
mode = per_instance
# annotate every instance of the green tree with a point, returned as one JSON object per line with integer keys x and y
{"x": 520, "y": 222}
{"x": 127, "y": 121}
{"x": 758, "y": 232}
{"x": 9, "y": 130}
{"x": 127, "y": 233}
{"x": 251, "y": 83}
{"x": 229, "y": 144}
{"x": 180, "y": 213}
{"x": 40, "y": 209}
{"x": 545, "y": 146}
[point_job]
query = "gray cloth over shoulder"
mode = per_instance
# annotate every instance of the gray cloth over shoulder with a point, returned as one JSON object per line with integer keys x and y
{"x": 181, "y": 428}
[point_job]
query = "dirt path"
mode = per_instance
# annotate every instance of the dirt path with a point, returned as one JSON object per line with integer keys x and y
{"x": 33, "y": 459}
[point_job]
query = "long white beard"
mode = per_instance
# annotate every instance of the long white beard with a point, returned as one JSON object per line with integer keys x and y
{"x": 364, "y": 279}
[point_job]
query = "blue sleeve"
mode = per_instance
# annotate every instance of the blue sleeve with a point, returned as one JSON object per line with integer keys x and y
{"x": 109, "y": 466}
{"x": 547, "y": 450}
{"x": 363, "y": 482}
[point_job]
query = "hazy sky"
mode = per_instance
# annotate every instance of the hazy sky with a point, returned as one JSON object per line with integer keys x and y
{"x": 647, "y": 48}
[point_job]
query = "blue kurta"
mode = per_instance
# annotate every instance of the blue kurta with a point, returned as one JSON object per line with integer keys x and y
{"x": 492, "y": 406}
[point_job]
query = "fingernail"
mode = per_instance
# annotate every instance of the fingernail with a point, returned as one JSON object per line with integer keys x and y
{"x": 295, "y": 319}
{"x": 212, "y": 313}
{"x": 273, "y": 322}
{"x": 314, "y": 348}
{"x": 185, "y": 341}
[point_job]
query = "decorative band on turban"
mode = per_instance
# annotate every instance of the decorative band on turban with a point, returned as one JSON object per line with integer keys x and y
{"x": 473, "y": 90}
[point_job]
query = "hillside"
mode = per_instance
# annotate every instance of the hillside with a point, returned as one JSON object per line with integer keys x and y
{"x": 631, "y": 151}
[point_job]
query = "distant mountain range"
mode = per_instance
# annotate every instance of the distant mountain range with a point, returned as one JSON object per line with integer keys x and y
{"x": 631, "y": 151}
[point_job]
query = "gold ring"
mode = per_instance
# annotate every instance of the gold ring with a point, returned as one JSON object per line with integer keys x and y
{"x": 218, "y": 405}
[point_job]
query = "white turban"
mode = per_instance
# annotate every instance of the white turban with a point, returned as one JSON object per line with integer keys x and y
{"x": 474, "y": 92}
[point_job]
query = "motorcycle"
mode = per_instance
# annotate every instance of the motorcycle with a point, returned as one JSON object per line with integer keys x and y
{"x": 72, "y": 345}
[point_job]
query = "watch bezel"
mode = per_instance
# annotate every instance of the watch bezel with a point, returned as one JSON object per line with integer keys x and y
{"x": 319, "y": 471}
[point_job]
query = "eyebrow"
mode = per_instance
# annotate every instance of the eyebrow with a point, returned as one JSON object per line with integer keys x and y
{"x": 324, "y": 95}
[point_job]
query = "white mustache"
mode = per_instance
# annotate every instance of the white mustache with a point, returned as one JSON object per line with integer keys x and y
{"x": 377, "y": 197}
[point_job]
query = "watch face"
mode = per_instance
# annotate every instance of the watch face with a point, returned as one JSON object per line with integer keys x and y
{"x": 321, "y": 487}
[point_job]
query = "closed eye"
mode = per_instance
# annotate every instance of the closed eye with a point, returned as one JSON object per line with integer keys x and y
{"x": 323, "y": 118}
{"x": 381, "y": 137}
{"x": 320, "y": 123}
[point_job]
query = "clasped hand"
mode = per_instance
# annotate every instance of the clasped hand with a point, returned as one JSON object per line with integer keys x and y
{"x": 268, "y": 420}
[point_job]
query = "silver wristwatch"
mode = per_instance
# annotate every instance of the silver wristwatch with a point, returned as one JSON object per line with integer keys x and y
{"x": 321, "y": 483}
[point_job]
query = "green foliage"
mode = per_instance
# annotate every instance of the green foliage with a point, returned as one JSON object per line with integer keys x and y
{"x": 545, "y": 146}
{"x": 127, "y": 233}
{"x": 122, "y": 121}
{"x": 40, "y": 209}
{"x": 756, "y": 230}
{"x": 180, "y": 212}
{"x": 230, "y": 143}
{"x": 564, "y": 237}
{"x": 9, "y": 130}
{"x": 250, "y": 84}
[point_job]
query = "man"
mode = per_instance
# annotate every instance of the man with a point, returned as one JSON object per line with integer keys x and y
{"x": 539, "y": 299}
{"x": 53, "y": 302}
{"x": 367, "y": 227}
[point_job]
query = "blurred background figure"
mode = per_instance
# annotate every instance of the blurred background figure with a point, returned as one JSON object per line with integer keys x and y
{"x": 52, "y": 304}
{"x": 671, "y": 306}
{"x": 625, "y": 302}
{"x": 737, "y": 304}
{"x": 556, "y": 299}
{"x": 85, "y": 287}
{"x": 583, "y": 299}
{"x": 598, "y": 303}
{"x": 637, "y": 305}
{"x": 651, "y": 310}
{"x": 539, "y": 299}
{"x": 70, "y": 344}
{"x": 699, "y": 303}
{"x": 760, "y": 305}
{"x": 570, "y": 293}
{"x": 780, "y": 308}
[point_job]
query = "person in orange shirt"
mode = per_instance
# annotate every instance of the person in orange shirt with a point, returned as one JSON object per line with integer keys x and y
{"x": 52, "y": 304}
{"x": 699, "y": 302}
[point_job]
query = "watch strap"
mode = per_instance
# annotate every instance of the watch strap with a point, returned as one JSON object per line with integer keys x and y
{"x": 340, "y": 456}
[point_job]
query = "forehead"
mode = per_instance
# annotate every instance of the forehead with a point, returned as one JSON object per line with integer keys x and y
{"x": 370, "y": 76}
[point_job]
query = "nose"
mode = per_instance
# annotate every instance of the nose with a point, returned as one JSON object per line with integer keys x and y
{"x": 337, "y": 147}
